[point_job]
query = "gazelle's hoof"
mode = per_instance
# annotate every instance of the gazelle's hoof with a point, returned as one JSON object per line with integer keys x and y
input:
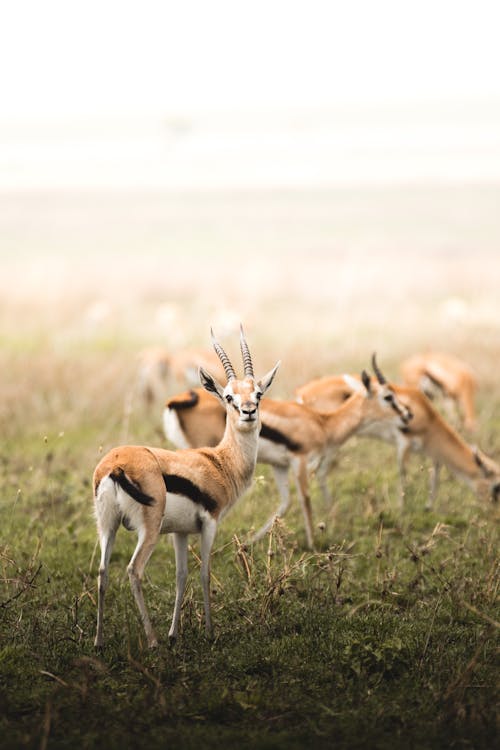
{"x": 172, "y": 640}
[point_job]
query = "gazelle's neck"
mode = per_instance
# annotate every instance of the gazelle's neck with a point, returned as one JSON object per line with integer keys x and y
{"x": 448, "y": 446}
{"x": 340, "y": 424}
{"x": 238, "y": 448}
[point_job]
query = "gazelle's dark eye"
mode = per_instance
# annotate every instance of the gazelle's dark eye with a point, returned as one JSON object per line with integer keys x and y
{"x": 258, "y": 395}
{"x": 389, "y": 397}
{"x": 229, "y": 398}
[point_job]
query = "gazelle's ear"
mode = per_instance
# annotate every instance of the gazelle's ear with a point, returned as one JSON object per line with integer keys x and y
{"x": 266, "y": 381}
{"x": 485, "y": 470}
{"x": 210, "y": 384}
{"x": 495, "y": 492}
{"x": 367, "y": 382}
{"x": 354, "y": 384}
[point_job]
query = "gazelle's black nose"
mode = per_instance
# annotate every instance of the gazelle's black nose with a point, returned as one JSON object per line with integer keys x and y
{"x": 248, "y": 410}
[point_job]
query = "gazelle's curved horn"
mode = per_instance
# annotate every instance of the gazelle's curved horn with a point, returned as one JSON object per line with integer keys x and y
{"x": 228, "y": 368}
{"x": 245, "y": 353}
{"x": 381, "y": 379}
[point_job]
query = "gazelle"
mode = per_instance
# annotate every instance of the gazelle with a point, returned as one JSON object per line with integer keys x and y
{"x": 155, "y": 491}
{"x": 159, "y": 369}
{"x": 428, "y": 433}
{"x": 292, "y": 435}
{"x": 436, "y": 373}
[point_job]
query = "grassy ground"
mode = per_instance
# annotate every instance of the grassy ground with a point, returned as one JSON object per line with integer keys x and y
{"x": 386, "y": 636}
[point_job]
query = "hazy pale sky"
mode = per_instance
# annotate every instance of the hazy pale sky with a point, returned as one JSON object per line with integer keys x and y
{"x": 104, "y": 57}
{"x": 221, "y": 92}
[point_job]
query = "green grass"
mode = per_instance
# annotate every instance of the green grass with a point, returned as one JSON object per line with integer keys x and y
{"x": 384, "y": 637}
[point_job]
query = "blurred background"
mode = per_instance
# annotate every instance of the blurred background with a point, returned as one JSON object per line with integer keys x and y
{"x": 326, "y": 172}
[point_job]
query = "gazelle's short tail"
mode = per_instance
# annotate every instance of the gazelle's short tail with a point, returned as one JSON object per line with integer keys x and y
{"x": 119, "y": 476}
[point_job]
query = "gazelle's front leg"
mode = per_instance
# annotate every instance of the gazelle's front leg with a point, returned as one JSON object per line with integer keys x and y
{"x": 434, "y": 484}
{"x": 323, "y": 472}
{"x": 302, "y": 483}
{"x": 283, "y": 485}
{"x": 403, "y": 449}
{"x": 181, "y": 572}
{"x": 207, "y": 539}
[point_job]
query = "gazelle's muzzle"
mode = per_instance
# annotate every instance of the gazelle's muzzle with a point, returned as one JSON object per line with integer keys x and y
{"x": 248, "y": 411}
{"x": 402, "y": 411}
{"x": 407, "y": 414}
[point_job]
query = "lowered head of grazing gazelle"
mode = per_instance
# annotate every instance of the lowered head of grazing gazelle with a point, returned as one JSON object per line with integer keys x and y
{"x": 489, "y": 480}
{"x": 154, "y": 491}
{"x": 384, "y": 394}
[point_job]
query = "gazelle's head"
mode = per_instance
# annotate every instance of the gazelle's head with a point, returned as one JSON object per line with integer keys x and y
{"x": 388, "y": 395}
{"x": 382, "y": 403}
{"x": 240, "y": 397}
{"x": 489, "y": 474}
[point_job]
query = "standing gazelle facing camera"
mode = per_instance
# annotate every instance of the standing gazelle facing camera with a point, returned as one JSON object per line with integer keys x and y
{"x": 155, "y": 491}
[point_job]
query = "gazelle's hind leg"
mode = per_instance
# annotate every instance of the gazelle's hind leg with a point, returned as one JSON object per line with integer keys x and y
{"x": 108, "y": 520}
{"x": 148, "y": 538}
{"x": 181, "y": 572}
{"x": 281, "y": 478}
{"x": 207, "y": 539}
{"x": 148, "y": 532}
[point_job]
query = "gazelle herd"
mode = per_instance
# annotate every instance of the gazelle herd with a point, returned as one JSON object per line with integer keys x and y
{"x": 222, "y": 431}
{"x": 292, "y": 434}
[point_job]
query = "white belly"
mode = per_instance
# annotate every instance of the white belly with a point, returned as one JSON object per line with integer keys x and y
{"x": 381, "y": 430}
{"x": 182, "y": 515}
{"x": 272, "y": 453}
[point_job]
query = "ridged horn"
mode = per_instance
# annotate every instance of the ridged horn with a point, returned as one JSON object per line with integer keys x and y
{"x": 381, "y": 379}
{"x": 245, "y": 353}
{"x": 228, "y": 368}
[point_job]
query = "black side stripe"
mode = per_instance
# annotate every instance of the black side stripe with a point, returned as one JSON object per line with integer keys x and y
{"x": 119, "y": 476}
{"x": 275, "y": 436}
{"x": 436, "y": 382}
{"x": 186, "y": 403}
{"x": 178, "y": 485}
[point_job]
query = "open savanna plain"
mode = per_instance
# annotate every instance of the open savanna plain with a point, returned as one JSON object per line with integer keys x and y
{"x": 386, "y": 635}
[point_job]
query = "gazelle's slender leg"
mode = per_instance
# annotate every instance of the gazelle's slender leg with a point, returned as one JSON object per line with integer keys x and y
{"x": 403, "y": 449}
{"x": 434, "y": 484}
{"x": 181, "y": 573}
{"x": 302, "y": 483}
{"x": 106, "y": 540}
{"x": 207, "y": 539}
{"x": 145, "y": 546}
{"x": 322, "y": 473}
{"x": 281, "y": 479}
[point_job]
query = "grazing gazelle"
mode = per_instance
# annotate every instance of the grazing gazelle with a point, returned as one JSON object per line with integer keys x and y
{"x": 155, "y": 491}
{"x": 436, "y": 373}
{"x": 159, "y": 369}
{"x": 292, "y": 435}
{"x": 427, "y": 433}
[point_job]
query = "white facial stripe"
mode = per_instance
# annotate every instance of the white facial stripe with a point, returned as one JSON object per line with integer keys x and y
{"x": 237, "y": 400}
